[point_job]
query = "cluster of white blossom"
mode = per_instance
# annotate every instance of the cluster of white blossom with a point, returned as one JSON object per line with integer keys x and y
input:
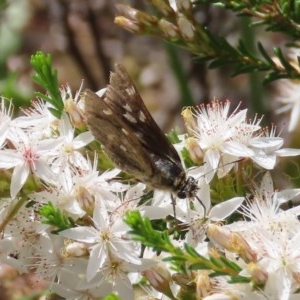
{"x": 44, "y": 160}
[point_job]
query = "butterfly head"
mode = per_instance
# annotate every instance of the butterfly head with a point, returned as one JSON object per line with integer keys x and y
{"x": 187, "y": 188}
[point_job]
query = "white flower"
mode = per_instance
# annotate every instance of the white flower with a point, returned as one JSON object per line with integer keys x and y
{"x": 72, "y": 285}
{"x": 11, "y": 242}
{"x": 273, "y": 237}
{"x": 116, "y": 270}
{"x": 289, "y": 96}
{"x": 38, "y": 120}
{"x": 225, "y": 290}
{"x": 281, "y": 258}
{"x": 29, "y": 156}
{"x": 5, "y": 120}
{"x": 49, "y": 259}
{"x": 129, "y": 202}
{"x": 264, "y": 210}
{"x": 107, "y": 238}
{"x": 69, "y": 153}
{"x": 266, "y": 148}
{"x": 224, "y": 139}
{"x": 217, "y": 134}
{"x": 74, "y": 106}
{"x": 75, "y": 191}
{"x": 197, "y": 223}
{"x": 62, "y": 195}
{"x": 26, "y": 232}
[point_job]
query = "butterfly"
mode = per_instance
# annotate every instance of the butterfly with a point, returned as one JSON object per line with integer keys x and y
{"x": 133, "y": 140}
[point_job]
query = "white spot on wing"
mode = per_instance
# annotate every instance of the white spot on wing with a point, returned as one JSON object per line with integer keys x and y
{"x": 122, "y": 147}
{"x": 107, "y": 112}
{"x": 130, "y": 118}
{"x": 142, "y": 116}
{"x": 101, "y": 92}
{"x": 130, "y": 91}
{"x": 125, "y": 131}
{"x": 138, "y": 135}
{"x": 127, "y": 107}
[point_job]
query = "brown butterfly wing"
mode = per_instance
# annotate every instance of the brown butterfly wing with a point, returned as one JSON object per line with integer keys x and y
{"x": 124, "y": 150}
{"x": 125, "y": 100}
{"x": 130, "y": 136}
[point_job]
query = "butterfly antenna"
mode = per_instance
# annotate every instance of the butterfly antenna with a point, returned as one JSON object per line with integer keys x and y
{"x": 204, "y": 208}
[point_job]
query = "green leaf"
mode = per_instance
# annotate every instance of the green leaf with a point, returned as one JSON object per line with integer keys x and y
{"x": 191, "y": 251}
{"x": 53, "y": 216}
{"x": 188, "y": 162}
{"x": 265, "y": 54}
{"x": 199, "y": 266}
{"x": 174, "y": 259}
{"x": 111, "y": 297}
{"x": 230, "y": 264}
{"x": 217, "y": 273}
{"x": 217, "y": 262}
{"x": 239, "y": 279}
{"x": 288, "y": 67}
{"x": 46, "y": 77}
{"x": 173, "y": 137}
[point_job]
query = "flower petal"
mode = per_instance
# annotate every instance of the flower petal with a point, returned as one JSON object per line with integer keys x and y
{"x": 9, "y": 159}
{"x": 287, "y": 152}
{"x": 221, "y": 211}
{"x": 82, "y": 234}
{"x": 18, "y": 178}
{"x": 97, "y": 258}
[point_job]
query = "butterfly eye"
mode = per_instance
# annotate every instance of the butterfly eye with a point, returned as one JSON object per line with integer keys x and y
{"x": 181, "y": 194}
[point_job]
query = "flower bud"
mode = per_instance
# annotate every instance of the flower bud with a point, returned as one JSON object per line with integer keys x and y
{"x": 184, "y": 5}
{"x": 76, "y": 249}
{"x": 160, "y": 278}
{"x": 189, "y": 121}
{"x": 164, "y": 7}
{"x": 194, "y": 149}
{"x": 127, "y": 24}
{"x": 203, "y": 284}
{"x": 127, "y": 11}
{"x": 186, "y": 28}
{"x": 145, "y": 19}
{"x": 85, "y": 199}
{"x": 168, "y": 28}
{"x": 76, "y": 114}
{"x": 136, "y": 16}
{"x": 232, "y": 242}
{"x": 259, "y": 275}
